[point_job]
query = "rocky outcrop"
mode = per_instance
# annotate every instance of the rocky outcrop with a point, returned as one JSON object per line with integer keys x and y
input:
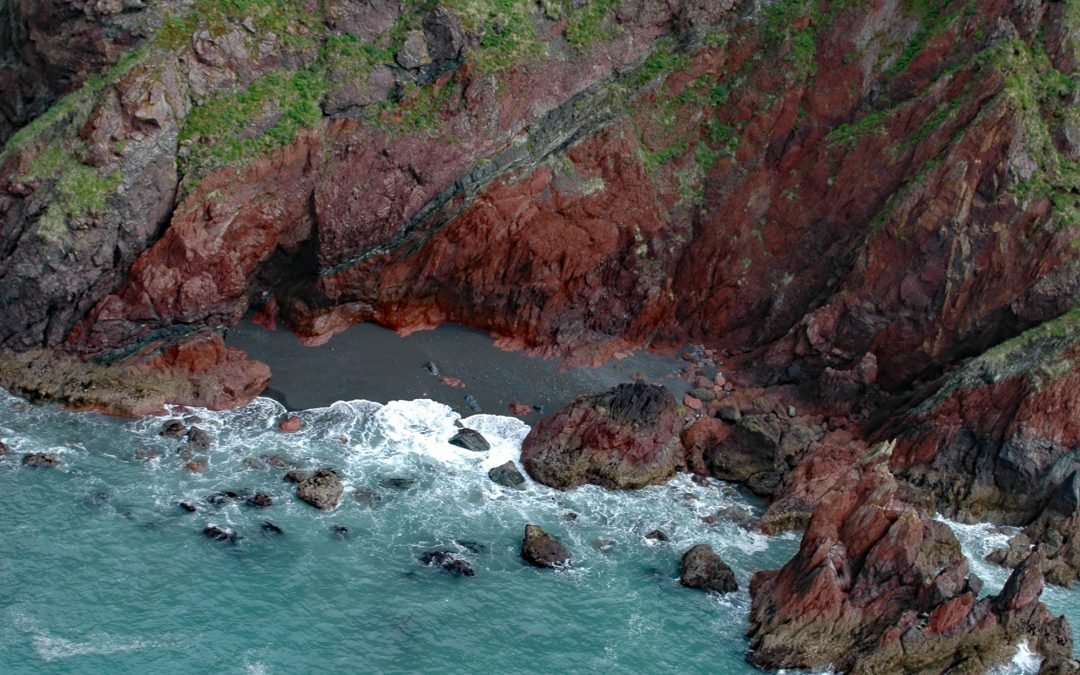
{"x": 627, "y": 437}
{"x": 877, "y": 586}
{"x": 45, "y": 460}
{"x": 540, "y": 549}
{"x": 321, "y": 489}
{"x": 702, "y": 568}
{"x": 470, "y": 439}
{"x": 1055, "y": 534}
{"x": 449, "y": 562}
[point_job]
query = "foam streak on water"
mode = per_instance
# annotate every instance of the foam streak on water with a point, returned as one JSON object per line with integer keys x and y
{"x": 103, "y": 572}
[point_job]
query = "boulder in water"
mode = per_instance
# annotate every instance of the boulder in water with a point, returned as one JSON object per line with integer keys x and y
{"x": 543, "y": 550}
{"x": 220, "y": 534}
{"x": 398, "y": 483}
{"x": 626, "y": 437}
{"x": 199, "y": 439}
{"x": 368, "y": 497}
{"x": 506, "y": 475}
{"x": 188, "y": 507}
{"x": 340, "y": 531}
{"x": 470, "y": 439}
{"x": 270, "y": 528}
{"x": 702, "y": 568}
{"x": 44, "y": 460}
{"x": 290, "y": 424}
{"x": 173, "y": 429}
{"x": 3, "y": 449}
{"x": 449, "y": 562}
{"x": 657, "y": 535}
{"x": 260, "y": 500}
{"x": 295, "y": 476}
{"x": 145, "y": 454}
{"x": 322, "y": 489}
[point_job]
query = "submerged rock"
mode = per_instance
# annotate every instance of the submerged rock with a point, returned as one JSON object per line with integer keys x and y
{"x": 188, "y": 507}
{"x": 270, "y": 528}
{"x": 506, "y": 475}
{"x": 449, "y": 562}
{"x": 626, "y": 437}
{"x": 220, "y": 534}
{"x": 543, "y": 550}
{"x": 45, "y": 460}
{"x": 322, "y": 489}
{"x": 295, "y": 476}
{"x": 657, "y": 535}
{"x": 291, "y": 424}
{"x": 260, "y": 500}
{"x": 367, "y": 497}
{"x": 340, "y": 531}
{"x": 199, "y": 439}
{"x": 702, "y": 568}
{"x": 173, "y": 429}
{"x": 470, "y": 439}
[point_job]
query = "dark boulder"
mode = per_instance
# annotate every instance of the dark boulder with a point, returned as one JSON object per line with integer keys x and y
{"x": 145, "y": 454}
{"x": 702, "y": 568}
{"x": 44, "y": 460}
{"x": 340, "y": 531}
{"x": 199, "y": 439}
{"x": 507, "y": 475}
{"x": 270, "y": 528}
{"x": 3, "y": 449}
{"x": 543, "y": 550}
{"x": 223, "y": 497}
{"x": 260, "y": 500}
{"x": 657, "y": 535}
{"x": 322, "y": 489}
{"x": 220, "y": 534}
{"x": 187, "y": 507}
{"x": 295, "y": 476}
{"x": 449, "y": 562}
{"x": 398, "y": 483}
{"x": 173, "y": 429}
{"x": 626, "y": 437}
{"x": 470, "y": 439}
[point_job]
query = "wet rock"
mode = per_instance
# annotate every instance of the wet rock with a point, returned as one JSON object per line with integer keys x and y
{"x": 367, "y": 497}
{"x": 507, "y": 475}
{"x": 520, "y": 409}
{"x": 44, "y": 460}
{"x": 432, "y": 368}
{"x": 543, "y": 550}
{"x": 198, "y": 439}
{"x": 703, "y": 395}
{"x": 260, "y": 500}
{"x": 173, "y": 429}
{"x": 472, "y": 404}
{"x": 3, "y": 449}
{"x": 187, "y": 506}
{"x": 184, "y": 453}
{"x": 453, "y": 382}
{"x": 702, "y": 568}
{"x": 220, "y": 534}
{"x": 657, "y": 535}
{"x": 472, "y": 546}
{"x": 295, "y": 477}
{"x": 701, "y": 440}
{"x": 398, "y": 483}
{"x": 322, "y": 489}
{"x": 270, "y": 528}
{"x": 223, "y": 497}
{"x": 145, "y": 454}
{"x": 340, "y": 531}
{"x": 252, "y": 463}
{"x": 198, "y": 465}
{"x": 626, "y": 437}
{"x": 276, "y": 461}
{"x": 449, "y": 562}
{"x": 692, "y": 402}
{"x": 291, "y": 424}
{"x": 470, "y": 439}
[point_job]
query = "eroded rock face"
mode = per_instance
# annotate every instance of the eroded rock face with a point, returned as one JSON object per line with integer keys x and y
{"x": 627, "y": 437}
{"x": 876, "y": 584}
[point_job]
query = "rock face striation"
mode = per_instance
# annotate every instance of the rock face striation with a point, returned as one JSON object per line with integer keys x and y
{"x": 626, "y": 437}
{"x": 879, "y": 587}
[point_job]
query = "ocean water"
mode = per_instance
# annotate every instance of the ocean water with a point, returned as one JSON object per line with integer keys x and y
{"x": 102, "y": 572}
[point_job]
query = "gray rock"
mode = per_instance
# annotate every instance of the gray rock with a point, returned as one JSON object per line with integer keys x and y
{"x": 414, "y": 53}
{"x": 702, "y": 568}
{"x": 198, "y": 438}
{"x": 322, "y": 489}
{"x": 470, "y": 439}
{"x": 543, "y": 550}
{"x": 444, "y": 34}
{"x": 729, "y": 412}
{"x": 449, "y": 562}
{"x": 44, "y": 460}
{"x": 702, "y": 394}
{"x": 507, "y": 475}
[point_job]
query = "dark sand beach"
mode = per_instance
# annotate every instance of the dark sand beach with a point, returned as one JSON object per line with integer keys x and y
{"x": 373, "y": 363}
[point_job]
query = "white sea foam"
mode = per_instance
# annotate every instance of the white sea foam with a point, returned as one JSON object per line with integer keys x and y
{"x": 52, "y": 648}
{"x": 977, "y": 541}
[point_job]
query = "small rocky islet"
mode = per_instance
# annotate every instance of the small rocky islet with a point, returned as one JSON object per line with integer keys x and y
{"x": 864, "y": 213}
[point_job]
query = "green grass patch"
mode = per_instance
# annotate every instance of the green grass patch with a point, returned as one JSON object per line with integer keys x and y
{"x": 506, "y": 28}
{"x": 235, "y": 128}
{"x": 584, "y": 24}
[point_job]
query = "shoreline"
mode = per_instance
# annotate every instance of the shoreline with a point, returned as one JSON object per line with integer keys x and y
{"x": 370, "y": 362}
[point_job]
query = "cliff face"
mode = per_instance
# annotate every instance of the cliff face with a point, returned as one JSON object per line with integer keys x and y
{"x": 872, "y": 205}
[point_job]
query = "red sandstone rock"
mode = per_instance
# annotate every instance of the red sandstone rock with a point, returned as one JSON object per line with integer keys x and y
{"x": 290, "y": 424}
{"x": 627, "y": 437}
{"x": 692, "y": 402}
{"x": 520, "y": 409}
{"x": 452, "y": 382}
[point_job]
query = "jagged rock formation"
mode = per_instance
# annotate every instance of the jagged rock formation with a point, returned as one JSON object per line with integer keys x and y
{"x": 879, "y": 587}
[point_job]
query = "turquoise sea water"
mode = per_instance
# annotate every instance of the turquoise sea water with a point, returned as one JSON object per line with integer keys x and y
{"x": 102, "y": 572}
